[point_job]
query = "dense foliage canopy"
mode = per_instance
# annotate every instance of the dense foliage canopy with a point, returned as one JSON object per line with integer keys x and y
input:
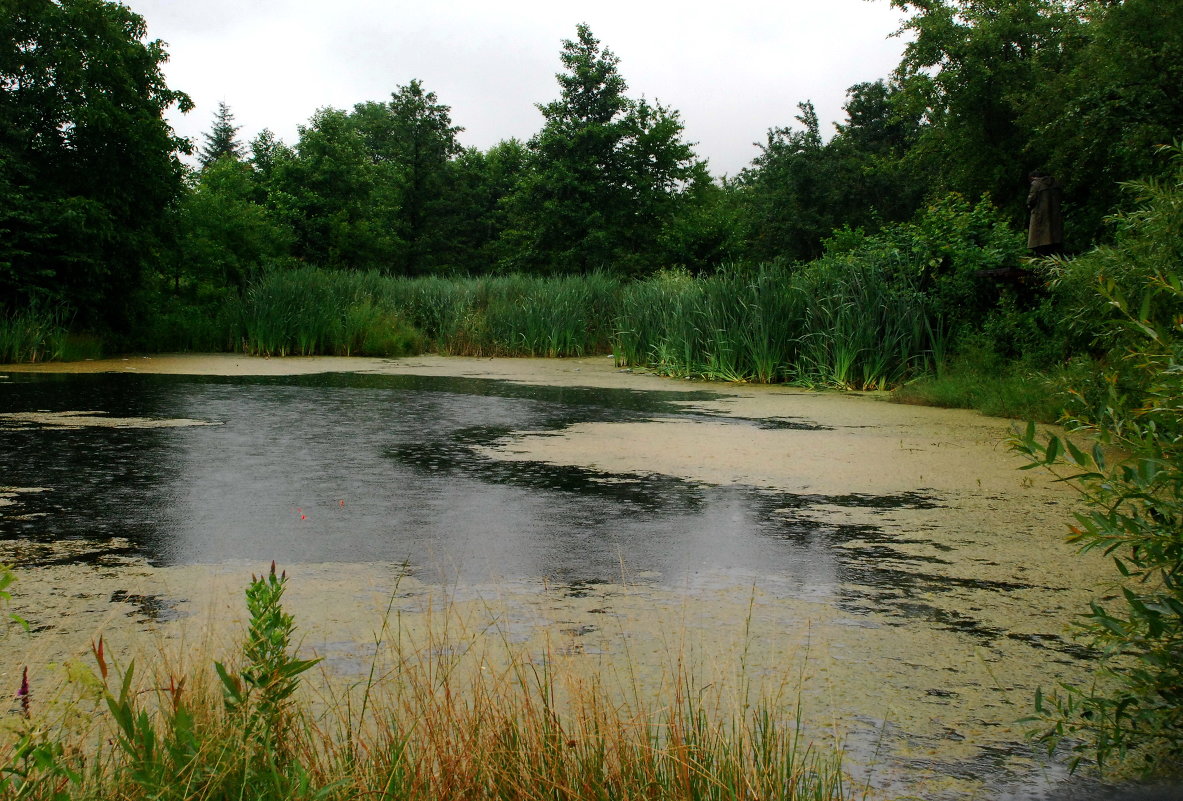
{"x": 88, "y": 167}
{"x": 96, "y": 204}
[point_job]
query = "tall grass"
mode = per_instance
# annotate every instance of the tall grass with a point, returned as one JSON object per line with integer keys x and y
{"x": 32, "y": 335}
{"x": 429, "y": 723}
{"x": 513, "y": 315}
{"x": 842, "y": 321}
{"x": 307, "y": 311}
{"x": 836, "y": 322}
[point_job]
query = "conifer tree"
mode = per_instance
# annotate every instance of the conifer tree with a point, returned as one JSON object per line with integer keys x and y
{"x": 608, "y": 172}
{"x": 222, "y": 140}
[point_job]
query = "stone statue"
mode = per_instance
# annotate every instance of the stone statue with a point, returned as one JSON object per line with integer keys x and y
{"x": 1045, "y": 233}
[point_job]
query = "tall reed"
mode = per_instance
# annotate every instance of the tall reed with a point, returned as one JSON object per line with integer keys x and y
{"x": 836, "y": 322}
{"x": 842, "y": 321}
{"x": 307, "y": 311}
{"x": 32, "y": 335}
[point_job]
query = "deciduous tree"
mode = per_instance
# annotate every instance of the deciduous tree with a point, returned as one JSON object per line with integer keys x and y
{"x": 88, "y": 165}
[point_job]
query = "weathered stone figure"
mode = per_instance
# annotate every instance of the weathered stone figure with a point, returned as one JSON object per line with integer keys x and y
{"x": 1045, "y": 233}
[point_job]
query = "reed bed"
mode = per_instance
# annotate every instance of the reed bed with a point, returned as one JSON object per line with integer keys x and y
{"x": 431, "y": 721}
{"x": 33, "y": 335}
{"x": 837, "y": 322}
{"x": 308, "y": 311}
{"x": 842, "y": 321}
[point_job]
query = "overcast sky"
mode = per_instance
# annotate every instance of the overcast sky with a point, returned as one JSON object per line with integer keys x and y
{"x": 733, "y": 69}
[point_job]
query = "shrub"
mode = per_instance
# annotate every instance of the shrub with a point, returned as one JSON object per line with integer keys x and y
{"x": 1135, "y": 507}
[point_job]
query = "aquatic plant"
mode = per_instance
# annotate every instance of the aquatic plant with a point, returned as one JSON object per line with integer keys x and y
{"x": 307, "y": 311}
{"x": 836, "y": 322}
{"x": 32, "y": 335}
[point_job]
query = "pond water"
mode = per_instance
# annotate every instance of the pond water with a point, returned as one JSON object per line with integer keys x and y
{"x": 940, "y": 615}
{"x": 365, "y": 468}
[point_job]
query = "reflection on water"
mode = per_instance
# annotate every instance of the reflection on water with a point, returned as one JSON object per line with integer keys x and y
{"x": 378, "y": 468}
{"x": 345, "y": 467}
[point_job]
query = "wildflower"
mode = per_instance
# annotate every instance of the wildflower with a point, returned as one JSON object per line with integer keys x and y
{"x": 23, "y": 693}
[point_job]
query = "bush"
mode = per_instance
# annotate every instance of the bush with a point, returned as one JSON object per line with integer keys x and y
{"x": 1135, "y": 509}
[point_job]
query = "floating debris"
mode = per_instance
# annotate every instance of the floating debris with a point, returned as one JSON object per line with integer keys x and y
{"x": 84, "y": 419}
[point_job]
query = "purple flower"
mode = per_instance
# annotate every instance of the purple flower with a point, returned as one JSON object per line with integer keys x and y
{"x": 23, "y": 693}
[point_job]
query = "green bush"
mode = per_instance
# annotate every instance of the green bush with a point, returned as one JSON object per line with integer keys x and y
{"x": 1135, "y": 507}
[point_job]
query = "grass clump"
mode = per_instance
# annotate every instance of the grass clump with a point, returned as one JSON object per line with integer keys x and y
{"x": 982, "y": 380}
{"x": 33, "y": 335}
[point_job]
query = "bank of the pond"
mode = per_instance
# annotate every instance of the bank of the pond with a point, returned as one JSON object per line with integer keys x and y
{"x": 921, "y": 665}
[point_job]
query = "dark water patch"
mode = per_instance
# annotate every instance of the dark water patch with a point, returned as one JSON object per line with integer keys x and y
{"x": 762, "y": 423}
{"x": 1054, "y": 642}
{"x": 149, "y": 607}
{"x": 946, "y": 619}
{"x": 44, "y": 551}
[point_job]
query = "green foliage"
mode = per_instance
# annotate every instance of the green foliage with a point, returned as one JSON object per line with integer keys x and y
{"x": 969, "y": 69}
{"x": 942, "y": 253}
{"x": 606, "y": 175}
{"x": 976, "y": 377}
{"x": 1135, "y": 509}
{"x": 222, "y": 140}
{"x": 7, "y": 577}
{"x": 32, "y": 335}
{"x": 370, "y": 189}
{"x": 513, "y": 315}
{"x": 88, "y": 165}
{"x": 209, "y": 323}
{"x": 837, "y": 322}
{"x": 223, "y": 237}
{"x": 787, "y": 191}
{"x": 341, "y": 204}
{"x": 476, "y": 213}
{"x": 175, "y": 752}
{"x": 307, "y": 311}
{"x": 1097, "y": 294}
{"x": 261, "y": 691}
{"x": 1085, "y": 89}
{"x": 1096, "y": 119}
{"x": 412, "y": 141}
{"x": 799, "y": 189}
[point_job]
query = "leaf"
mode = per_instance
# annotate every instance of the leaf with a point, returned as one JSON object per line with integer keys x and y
{"x": 1053, "y": 450}
{"x": 230, "y": 684}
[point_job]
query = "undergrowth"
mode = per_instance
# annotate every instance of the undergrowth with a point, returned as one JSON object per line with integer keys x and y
{"x": 424, "y": 728}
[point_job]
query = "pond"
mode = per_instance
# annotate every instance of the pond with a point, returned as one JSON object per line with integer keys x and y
{"x": 947, "y": 594}
{"x": 378, "y": 468}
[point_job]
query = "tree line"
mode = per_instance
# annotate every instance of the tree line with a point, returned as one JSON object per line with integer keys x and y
{"x": 98, "y": 211}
